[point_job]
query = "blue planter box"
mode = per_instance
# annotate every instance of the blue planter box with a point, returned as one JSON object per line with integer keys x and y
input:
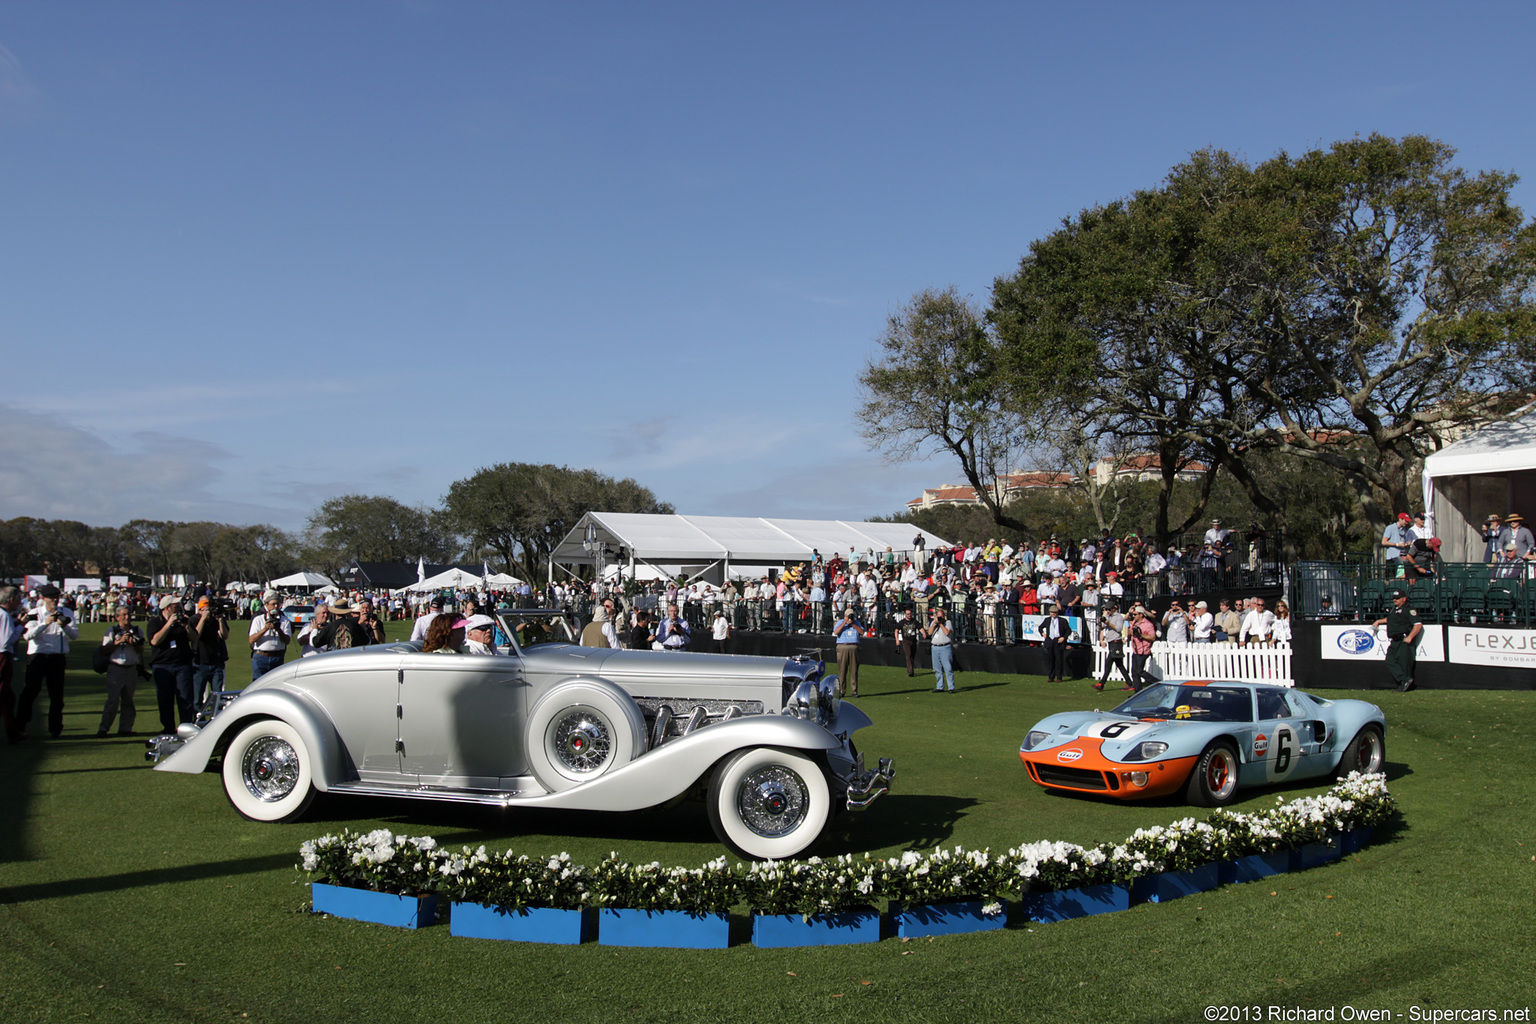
{"x": 773, "y": 931}
{"x": 1254, "y": 867}
{"x": 1170, "y": 885}
{"x": 378, "y": 907}
{"x": 531, "y": 924}
{"x": 1065, "y": 904}
{"x": 680, "y": 929}
{"x": 1355, "y": 840}
{"x": 1313, "y": 854}
{"x": 946, "y": 919}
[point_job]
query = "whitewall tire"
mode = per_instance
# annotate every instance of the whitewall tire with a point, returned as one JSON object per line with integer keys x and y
{"x": 769, "y": 804}
{"x": 269, "y": 772}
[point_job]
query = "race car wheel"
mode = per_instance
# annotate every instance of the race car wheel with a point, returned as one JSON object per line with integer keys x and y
{"x": 1214, "y": 780}
{"x": 268, "y": 772}
{"x": 580, "y": 731}
{"x": 769, "y": 804}
{"x": 1367, "y": 752}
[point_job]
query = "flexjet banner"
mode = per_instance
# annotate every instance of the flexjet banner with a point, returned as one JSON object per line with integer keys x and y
{"x": 1361, "y": 643}
{"x": 1507, "y": 648}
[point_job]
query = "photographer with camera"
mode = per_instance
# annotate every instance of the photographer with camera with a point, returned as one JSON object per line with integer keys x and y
{"x": 270, "y": 635}
{"x": 48, "y": 634}
{"x": 170, "y": 647}
{"x": 210, "y": 651}
{"x": 126, "y": 645}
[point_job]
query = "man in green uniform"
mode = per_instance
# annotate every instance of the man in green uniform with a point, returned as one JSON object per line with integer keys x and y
{"x": 1403, "y": 629}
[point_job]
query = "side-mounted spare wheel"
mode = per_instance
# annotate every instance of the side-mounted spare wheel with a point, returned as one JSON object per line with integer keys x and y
{"x": 579, "y": 731}
{"x": 268, "y": 771}
{"x": 769, "y": 804}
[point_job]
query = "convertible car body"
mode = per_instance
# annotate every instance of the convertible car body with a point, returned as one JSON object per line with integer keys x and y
{"x": 767, "y": 741}
{"x": 1204, "y": 739}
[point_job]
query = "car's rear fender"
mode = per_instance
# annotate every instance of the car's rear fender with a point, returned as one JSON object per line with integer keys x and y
{"x": 313, "y": 725}
{"x": 670, "y": 770}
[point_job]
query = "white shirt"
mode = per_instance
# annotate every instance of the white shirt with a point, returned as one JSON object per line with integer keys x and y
{"x": 270, "y": 643}
{"x": 419, "y": 629}
{"x": 1281, "y": 631}
{"x": 44, "y": 637}
{"x": 1257, "y": 625}
{"x": 1205, "y": 622}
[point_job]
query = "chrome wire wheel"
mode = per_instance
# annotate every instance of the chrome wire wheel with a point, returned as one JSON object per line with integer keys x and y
{"x": 270, "y": 769}
{"x": 581, "y": 741}
{"x": 772, "y": 801}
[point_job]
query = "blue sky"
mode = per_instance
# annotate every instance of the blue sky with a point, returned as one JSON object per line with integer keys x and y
{"x": 256, "y": 255}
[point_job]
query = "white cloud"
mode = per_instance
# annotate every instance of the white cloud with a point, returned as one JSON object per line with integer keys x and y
{"x": 52, "y": 469}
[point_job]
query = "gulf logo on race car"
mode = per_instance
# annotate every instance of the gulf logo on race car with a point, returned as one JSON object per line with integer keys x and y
{"x": 1356, "y": 641}
{"x": 1070, "y": 754}
{"x": 1260, "y": 745}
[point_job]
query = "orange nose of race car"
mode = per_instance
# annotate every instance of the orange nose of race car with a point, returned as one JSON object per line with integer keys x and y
{"x": 1080, "y": 766}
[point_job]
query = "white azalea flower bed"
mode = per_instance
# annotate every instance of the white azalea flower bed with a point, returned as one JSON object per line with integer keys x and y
{"x": 414, "y": 865}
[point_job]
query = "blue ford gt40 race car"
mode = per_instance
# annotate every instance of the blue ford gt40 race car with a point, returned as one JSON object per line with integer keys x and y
{"x": 1206, "y": 739}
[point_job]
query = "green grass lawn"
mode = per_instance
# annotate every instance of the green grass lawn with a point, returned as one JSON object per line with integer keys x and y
{"x": 133, "y": 895}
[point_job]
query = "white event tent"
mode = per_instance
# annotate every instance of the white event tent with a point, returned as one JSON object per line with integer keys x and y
{"x": 713, "y": 547}
{"x": 1493, "y": 470}
{"x": 301, "y": 579}
{"x": 448, "y": 578}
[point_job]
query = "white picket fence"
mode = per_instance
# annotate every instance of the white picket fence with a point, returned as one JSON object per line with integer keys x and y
{"x": 1211, "y": 661}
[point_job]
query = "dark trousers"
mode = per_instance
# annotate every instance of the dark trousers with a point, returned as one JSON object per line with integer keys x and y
{"x": 173, "y": 690}
{"x": 210, "y": 677}
{"x": 7, "y": 697}
{"x": 1055, "y": 659}
{"x": 909, "y": 651}
{"x": 1401, "y": 659}
{"x": 1116, "y": 659}
{"x": 42, "y": 668}
{"x": 1139, "y": 675}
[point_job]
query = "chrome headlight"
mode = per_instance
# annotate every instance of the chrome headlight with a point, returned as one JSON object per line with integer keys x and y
{"x": 1147, "y": 751}
{"x": 1035, "y": 738}
{"x": 817, "y": 700}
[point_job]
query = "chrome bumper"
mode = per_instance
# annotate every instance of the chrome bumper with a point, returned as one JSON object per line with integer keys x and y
{"x": 864, "y": 785}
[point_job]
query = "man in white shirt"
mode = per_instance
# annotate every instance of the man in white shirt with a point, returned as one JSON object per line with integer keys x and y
{"x": 422, "y": 624}
{"x": 1258, "y": 623}
{"x": 270, "y": 634}
{"x": 480, "y": 633}
{"x": 1202, "y": 624}
{"x": 1176, "y": 624}
{"x": 48, "y": 636}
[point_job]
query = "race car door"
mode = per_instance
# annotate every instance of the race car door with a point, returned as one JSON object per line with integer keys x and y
{"x": 1278, "y": 741}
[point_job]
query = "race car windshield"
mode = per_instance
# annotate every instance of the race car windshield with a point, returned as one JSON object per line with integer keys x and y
{"x": 1196, "y": 703}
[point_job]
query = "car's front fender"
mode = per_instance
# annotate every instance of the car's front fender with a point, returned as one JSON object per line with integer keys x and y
{"x": 314, "y": 727}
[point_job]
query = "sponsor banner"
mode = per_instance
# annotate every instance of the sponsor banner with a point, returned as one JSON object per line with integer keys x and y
{"x": 1029, "y": 628}
{"x": 1508, "y": 648}
{"x": 1362, "y": 643}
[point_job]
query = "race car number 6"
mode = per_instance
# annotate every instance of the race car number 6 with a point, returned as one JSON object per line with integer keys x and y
{"x": 1234, "y": 1013}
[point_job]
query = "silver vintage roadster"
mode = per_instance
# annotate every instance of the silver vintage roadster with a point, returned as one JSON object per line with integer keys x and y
{"x": 766, "y": 741}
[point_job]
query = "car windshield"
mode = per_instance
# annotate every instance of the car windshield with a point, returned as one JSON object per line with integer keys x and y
{"x": 532, "y": 629}
{"x": 1207, "y": 703}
